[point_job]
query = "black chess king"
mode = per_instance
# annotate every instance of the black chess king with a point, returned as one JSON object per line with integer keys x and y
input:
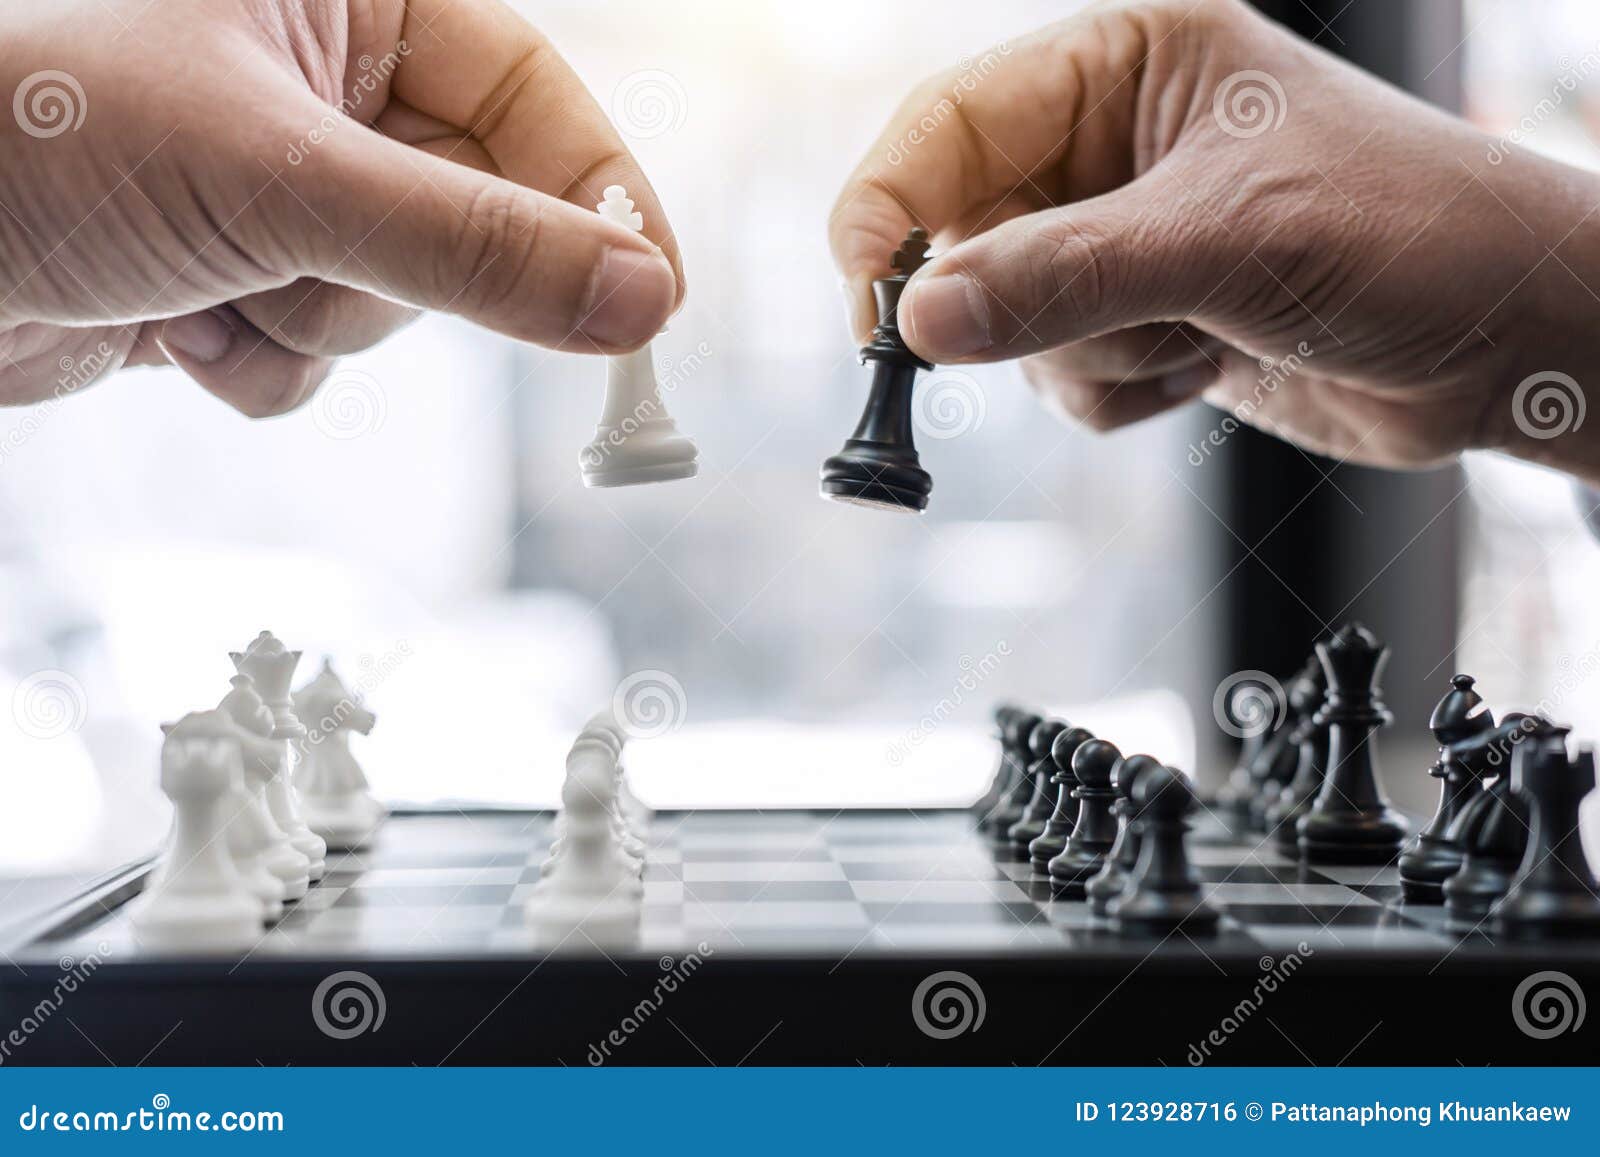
{"x": 878, "y": 466}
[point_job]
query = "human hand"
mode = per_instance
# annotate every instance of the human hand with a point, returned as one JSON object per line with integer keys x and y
{"x": 214, "y": 209}
{"x": 1154, "y": 200}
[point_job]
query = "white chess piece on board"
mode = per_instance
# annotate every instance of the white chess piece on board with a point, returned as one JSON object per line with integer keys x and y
{"x": 334, "y": 793}
{"x": 195, "y": 900}
{"x": 261, "y": 755}
{"x": 636, "y": 815}
{"x": 589, "y": 894}
{"x": 270, "y": 666}
{"x": 591, "y": 778}
{"x": 637, "y": 441}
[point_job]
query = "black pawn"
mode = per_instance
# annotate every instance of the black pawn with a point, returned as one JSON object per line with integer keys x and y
{"x": 1124, "y": 853}
{"x": 1014, "y": 740}
{"x": 1053, "y": 841}
{"x": 1309, "y": 737}
{"x": 1095, "y": 831}
{"x": 1555, "y": 894}
{"x": 1275, "y": 768}
{"x": 1163, "y": 894}
{"x": 997, "y": 782}
{"x": 1351, "y": 822}
{"x": 878, "y": 465}
{"x": 1434, "y": 856}
{"x": 1492, "y": 830}
{"x": 1041, "y": 800}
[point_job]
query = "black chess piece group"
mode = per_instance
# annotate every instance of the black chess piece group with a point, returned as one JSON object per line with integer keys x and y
{"x": 1095, "y": 825}
{"x": 1501, "y": 852}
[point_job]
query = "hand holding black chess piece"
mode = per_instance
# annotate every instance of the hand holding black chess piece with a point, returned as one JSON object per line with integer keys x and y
{"x": 1163, "y": 895}
{"x": 878, "y": 465}
{"x": 1351, "y": 821}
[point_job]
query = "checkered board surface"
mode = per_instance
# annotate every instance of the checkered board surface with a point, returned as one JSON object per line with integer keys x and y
{"x": 798, "y": 884}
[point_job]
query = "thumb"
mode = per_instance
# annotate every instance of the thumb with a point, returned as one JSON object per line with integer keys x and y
{"x": 1142, "y": 253}
{"x": 428, "y": 232}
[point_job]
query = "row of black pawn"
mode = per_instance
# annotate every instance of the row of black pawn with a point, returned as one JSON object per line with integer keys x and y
{"x": 1101, "y": 826}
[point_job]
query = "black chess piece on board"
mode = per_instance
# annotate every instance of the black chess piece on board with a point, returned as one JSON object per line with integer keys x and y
{"x": 1120, "y": 861}
{"x": 1493, "y": 833}
{"x": 1095, "y": 831}
{"x": 878, "y": 465}
{"x": 1554, "y": 894}
{"x": 1015, "y": 731}
{"x": 1434, "y": 856}
{"x": 1053, "y": 841}
{"x": 997, "y": 783}
{"x": 1279, "y": 761}
{"x": 1351, "y": 822}
{"x": 1309, "y": 737}
{"x": 1163, "y": 893}
{"x": 1041, "y": 799}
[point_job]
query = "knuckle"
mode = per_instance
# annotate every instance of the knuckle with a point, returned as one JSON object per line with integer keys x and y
{"x": 500, "y": 235}
{"x": 1074, "y": 270}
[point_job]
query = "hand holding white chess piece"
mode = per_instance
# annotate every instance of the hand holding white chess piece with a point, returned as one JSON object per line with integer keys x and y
{"x": 637, "y": 441}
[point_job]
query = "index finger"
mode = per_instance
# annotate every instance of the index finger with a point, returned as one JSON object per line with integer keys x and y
{"x": 479, "y": 67}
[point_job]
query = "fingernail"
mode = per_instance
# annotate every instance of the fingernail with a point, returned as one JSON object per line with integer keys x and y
{"x": 1188, "y": 382}
{"x": 205, "y": 337}
{"x": 633, "y": 293}
{"x": 949, "y": 316}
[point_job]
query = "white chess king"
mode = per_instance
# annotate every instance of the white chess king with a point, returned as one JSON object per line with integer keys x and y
{"x": 637, "y": 440}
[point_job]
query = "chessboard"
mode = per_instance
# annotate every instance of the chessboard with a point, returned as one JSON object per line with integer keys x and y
{"x": 787, "y": 937}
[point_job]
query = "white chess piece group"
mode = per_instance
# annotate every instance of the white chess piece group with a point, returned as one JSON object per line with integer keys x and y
{"x": 590, "y": 889}
{"x": 637, "y": 441}
{"x": 241, "y": 846}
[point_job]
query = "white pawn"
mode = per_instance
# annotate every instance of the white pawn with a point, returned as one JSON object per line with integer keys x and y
{"x": 591, "y": 775}
{"x": 637, "y": 440}
{"x": 635, "y": 815}
{"x": 334, "y": 793}
{"x": 270, "y": 666}
{"x": 589, "y": 892}
{"x": 195, "y": 900}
